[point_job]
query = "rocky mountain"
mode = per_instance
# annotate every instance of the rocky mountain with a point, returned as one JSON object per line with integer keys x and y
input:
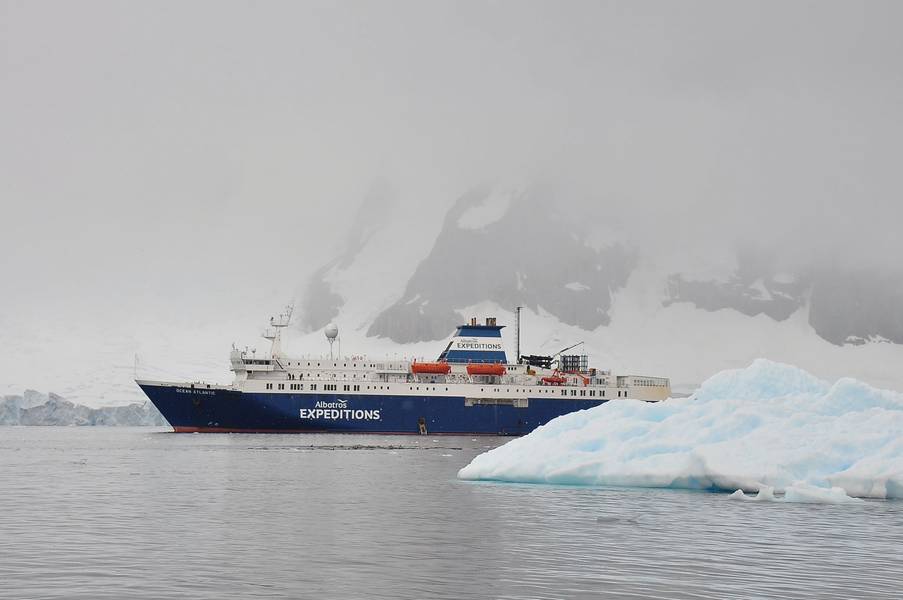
{"x": 579, "y": 278}
{"x": 506, "y": 247}
{"x": 845, "y": 305}
{"x": 34, "y": 408}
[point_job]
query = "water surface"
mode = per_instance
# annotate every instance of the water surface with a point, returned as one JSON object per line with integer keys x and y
{"x": 113, "y": 512}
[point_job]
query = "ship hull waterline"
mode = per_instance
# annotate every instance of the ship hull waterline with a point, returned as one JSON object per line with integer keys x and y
{"x": 200, "y": 410}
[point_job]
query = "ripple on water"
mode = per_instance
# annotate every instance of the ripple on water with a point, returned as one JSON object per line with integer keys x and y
{"x": 111, "y": 513}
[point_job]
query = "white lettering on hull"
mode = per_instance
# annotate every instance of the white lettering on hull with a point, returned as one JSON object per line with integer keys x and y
{"x": 339, "y": 410}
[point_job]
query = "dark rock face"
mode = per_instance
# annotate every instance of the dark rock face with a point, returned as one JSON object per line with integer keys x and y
{"x": 754, "y": 289}
{"x": 529, "y": 257}
{"x": 853, "y": 306}
{"x": 846, "y": 306}
{"x": 34, "y": 408}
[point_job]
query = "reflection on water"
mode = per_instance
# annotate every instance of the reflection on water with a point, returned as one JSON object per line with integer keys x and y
{"x": 108, "y": 513}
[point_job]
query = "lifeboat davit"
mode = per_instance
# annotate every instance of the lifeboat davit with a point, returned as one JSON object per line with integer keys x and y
{"x": 554, "y": 380}
{"x": 430, "y": 368}
{"x": 486, "y": 369}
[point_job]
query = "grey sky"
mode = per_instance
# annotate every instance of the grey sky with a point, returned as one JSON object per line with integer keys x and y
{"x": 158, "y": 153}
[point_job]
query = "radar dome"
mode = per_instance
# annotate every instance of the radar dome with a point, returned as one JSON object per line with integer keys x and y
{"x": 332, "y": 331}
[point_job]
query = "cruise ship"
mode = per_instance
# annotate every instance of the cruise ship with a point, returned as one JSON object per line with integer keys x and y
{"x": 471, "y": 388}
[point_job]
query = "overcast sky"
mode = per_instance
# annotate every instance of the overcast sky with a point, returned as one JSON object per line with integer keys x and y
{"x": 181, "y": 153}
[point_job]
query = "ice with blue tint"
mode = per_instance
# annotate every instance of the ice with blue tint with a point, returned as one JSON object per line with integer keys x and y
{"x": 769, "y": 427}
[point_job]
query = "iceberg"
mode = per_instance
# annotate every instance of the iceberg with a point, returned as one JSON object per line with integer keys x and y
{"x": 768, "y": 428}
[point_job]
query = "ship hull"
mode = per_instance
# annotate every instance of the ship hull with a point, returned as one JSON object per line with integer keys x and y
{"x": 220, "y": 410}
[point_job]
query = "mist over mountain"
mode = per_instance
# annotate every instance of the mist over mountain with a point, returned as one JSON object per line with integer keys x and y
{"x": 846, "y": 305}
{"x": 517, "y": 247}
{"x": 511, "y": 247}
{"x": 507, "y": 246}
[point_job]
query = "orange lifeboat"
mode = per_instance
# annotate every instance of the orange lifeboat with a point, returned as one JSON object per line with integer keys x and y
{"x": 485, "y": 369}
{"x": 554, "y": 380}
{"x": 430, "y": 368}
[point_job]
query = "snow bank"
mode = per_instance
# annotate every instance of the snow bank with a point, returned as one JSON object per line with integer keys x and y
{"x": 768, "y": 425}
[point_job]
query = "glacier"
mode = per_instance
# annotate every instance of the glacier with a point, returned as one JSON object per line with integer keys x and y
{"x": 35, "y": 408}
{"x": 767, "y": 428}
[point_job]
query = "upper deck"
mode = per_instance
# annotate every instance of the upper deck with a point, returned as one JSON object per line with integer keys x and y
{"x": 473, "y": 359}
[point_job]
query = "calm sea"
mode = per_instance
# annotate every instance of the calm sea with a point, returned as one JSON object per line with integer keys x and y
{"x": 141, "y": 513}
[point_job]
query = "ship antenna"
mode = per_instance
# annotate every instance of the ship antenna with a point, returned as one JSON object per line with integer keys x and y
{"x": 517, "y": 332}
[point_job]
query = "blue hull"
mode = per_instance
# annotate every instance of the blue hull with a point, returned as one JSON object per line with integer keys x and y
{"x": 216, "y": 410}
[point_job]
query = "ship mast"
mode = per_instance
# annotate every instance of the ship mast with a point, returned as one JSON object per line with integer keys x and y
{"x": 274, "y": 331}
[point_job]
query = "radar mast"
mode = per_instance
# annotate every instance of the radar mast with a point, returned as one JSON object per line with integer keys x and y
{"x": 274, "y": 331}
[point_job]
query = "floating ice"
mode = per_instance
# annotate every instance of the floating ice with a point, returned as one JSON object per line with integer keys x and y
{"x": 768, "y": 425}
{"x": 802, "y": 492}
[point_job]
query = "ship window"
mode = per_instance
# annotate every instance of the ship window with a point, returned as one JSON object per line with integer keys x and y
{"x": 573, "y": 392}
{"x": 300, "y": 386}
{"x": 564, "y": 392}
{"x": 592, "y": 393}
{"x": 313, "y": 387}
{"x": 603, "y": 393}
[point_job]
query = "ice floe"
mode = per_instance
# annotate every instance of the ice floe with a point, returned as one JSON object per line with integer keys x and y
{"x": 770, "y": 428}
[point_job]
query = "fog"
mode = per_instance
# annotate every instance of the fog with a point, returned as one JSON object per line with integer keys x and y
{"x": 207, "y": 156}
